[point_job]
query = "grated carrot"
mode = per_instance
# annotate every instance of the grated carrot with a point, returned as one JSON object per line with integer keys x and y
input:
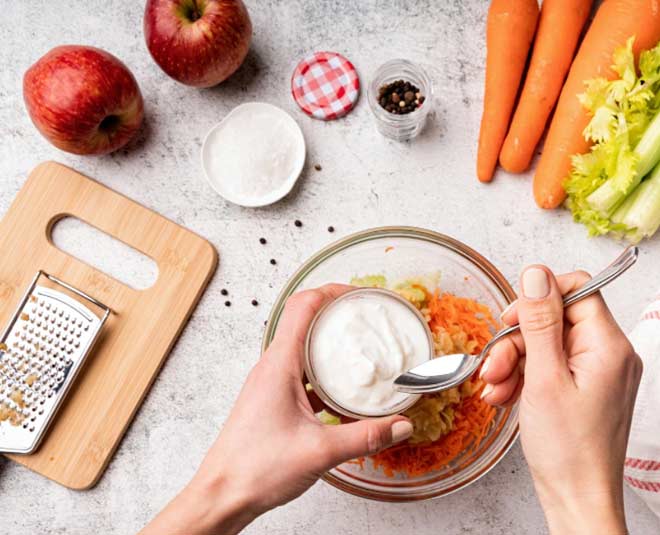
{"x": 359, "y": 461}
{"x": 474, "y": 417}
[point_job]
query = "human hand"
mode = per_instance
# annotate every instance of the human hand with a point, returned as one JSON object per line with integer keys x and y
{"x": 577, "y": 376}
{"x": 272, "y": 447}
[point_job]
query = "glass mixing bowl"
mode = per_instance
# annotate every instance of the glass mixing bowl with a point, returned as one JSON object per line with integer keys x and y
{"x": 400, "y": 253}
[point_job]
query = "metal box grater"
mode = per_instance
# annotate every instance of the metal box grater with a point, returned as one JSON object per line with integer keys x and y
{"x": 41, "y": 352}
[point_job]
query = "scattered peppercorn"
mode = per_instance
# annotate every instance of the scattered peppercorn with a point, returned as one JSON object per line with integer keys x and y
{"x": 331, "y": 228}
{"x": 255, "y": 302}
{"x": 318, "y": 167}
{"x": 224, "y": 292}
{"x": 273, "y": 261}
{"x": 262, "y": 241}
{"x": 227, "y": 303}
{"x": 400, "y": 97}
{"x": 297, "y": 223}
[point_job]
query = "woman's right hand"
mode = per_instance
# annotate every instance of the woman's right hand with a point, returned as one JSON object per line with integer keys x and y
{"x": 577, "y": 376}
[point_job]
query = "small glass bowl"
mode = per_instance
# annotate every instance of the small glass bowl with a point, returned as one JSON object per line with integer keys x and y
{"x": 400, "y": 253}
{"x": 406, "y": 126}
{"x": 408, "y": 400}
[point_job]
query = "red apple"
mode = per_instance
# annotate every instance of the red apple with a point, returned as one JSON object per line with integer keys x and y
{"x": 83, "y": 100}
{"x": 197, "y": 42}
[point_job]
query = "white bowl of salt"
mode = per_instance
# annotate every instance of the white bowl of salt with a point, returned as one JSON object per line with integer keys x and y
{"x": 254, "y": 156}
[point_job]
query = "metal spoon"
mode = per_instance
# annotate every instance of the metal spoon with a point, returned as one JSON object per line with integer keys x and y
{"x": 451, "y": 370}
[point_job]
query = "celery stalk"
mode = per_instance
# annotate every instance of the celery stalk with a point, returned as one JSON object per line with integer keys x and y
{"x": 609, "y": 195}
{"x": 641, "y": 210}
{"x": 619, "y": 216}
{"x": 648, "y": 147}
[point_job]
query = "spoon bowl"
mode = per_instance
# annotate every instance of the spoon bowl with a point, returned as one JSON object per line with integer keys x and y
{"x": 448, "y": 370}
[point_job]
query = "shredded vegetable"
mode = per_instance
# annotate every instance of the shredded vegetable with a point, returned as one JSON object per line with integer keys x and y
{"x": 461, "y": 419}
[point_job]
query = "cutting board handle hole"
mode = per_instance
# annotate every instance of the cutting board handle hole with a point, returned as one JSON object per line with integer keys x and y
{"x": 103, "y": 252}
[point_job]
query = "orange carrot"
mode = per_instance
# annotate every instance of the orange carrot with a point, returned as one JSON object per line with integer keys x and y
{"x": 614, "y": 23}
{"x": 456, "y": 314}
{"x": 509, "y": 33}
{"x": 560, "y": 26}
{"x": 473, "y": 417}
{"x": 473, "y": 420}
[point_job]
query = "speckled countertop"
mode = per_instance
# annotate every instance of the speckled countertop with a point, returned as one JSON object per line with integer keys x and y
{"x": 365, "y": 181}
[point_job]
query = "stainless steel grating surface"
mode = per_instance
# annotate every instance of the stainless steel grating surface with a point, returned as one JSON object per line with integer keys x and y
{"x": 41, "y": 352}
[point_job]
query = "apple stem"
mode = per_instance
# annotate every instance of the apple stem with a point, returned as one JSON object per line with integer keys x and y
{"x": 109, "y": 124}
{"x": 196, "y": 12}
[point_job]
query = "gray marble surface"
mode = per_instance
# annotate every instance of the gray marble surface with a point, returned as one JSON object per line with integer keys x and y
{"x": 366, "y": 181}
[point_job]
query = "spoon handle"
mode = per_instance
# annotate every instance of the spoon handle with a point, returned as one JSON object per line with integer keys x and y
{"x": 611, "y": 272}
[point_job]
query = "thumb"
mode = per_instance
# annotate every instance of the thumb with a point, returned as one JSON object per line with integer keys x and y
{"x": 365, "y": 437}
{"x": 541, "y": 316}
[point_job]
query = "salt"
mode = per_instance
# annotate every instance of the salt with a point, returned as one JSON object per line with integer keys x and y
{"x": 254, "y": 156}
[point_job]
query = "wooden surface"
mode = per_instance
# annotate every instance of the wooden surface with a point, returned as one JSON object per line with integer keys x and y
{"x": 138, "y": 334}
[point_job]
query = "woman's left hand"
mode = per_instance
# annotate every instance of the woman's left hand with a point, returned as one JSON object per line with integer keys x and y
{"x": 272, "y": 447}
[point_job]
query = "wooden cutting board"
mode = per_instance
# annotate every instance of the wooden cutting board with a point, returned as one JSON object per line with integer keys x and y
{"x": 138, "y": 334}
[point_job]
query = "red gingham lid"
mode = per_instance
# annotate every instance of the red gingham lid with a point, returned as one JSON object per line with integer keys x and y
{"x": 325, "y": 85}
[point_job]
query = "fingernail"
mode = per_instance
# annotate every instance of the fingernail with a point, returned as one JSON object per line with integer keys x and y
{"x": 535, "y": 284}
{"x": 484, "y": 367}
{"x": 487, "y": 390}
{"x": 508, "y": 309}
{"x": 401, "y": 430}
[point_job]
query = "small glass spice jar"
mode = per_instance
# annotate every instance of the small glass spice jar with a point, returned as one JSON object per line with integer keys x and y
{"x": 404, "y": 126}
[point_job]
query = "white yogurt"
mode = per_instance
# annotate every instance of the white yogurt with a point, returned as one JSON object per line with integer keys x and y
{"x": 254, "y": 155}
{"x": 358, "y": 347}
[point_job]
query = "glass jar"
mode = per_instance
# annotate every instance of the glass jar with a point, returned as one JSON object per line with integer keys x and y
{"x": 311, "y": 370}
{"x": 406, "y": 126}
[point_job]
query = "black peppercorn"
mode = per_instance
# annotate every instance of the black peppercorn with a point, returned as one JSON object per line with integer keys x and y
{"x": 297, "y": 223}
{"x": 262, "y": 241}
{"x": 255, "y": 302}
{"x": 331, "y": 228}
{"x": 400, "y": 97}
{"x": 224, "y": 292}
{"x": 273, "y": 261}
{"x": 227, "y": 303}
